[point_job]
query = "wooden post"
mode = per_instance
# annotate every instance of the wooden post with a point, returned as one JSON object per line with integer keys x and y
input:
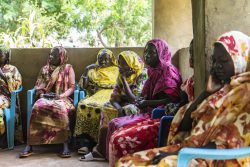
{"x": 198, "y": 16}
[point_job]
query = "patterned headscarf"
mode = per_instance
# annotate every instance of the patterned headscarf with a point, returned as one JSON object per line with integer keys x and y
{"x": 49, "y": 73}
{"x": 6, "y": 52}
{"x": 108, "y": 52}
{"x": 134, "y": 62}
{"x": 237, "y": 45}
{"x": 165, "y": 77}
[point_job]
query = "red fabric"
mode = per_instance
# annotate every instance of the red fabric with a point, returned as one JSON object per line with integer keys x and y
{"x": 133, "y": 138}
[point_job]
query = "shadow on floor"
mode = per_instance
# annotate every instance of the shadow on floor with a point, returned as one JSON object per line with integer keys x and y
{"x": 45, "y": 156}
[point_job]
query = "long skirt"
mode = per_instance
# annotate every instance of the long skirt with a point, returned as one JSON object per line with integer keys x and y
{"x": 89, "y": 113}
{"x": 132, "y": 138}
{"x": 49, "y": 122}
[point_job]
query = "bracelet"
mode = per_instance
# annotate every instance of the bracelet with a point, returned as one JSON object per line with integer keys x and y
{"x": 85, "y": 77}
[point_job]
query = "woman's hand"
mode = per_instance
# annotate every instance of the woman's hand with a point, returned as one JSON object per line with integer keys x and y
{"x": 213, "y": 85}
{"x": 121, "y": 112}
{"x": 127, "y": 73}
{"x": 142, "y": 103}
{"x": 41, "y": 95}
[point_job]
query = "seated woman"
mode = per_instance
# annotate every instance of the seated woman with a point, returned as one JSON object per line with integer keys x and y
{"x": 98, "y": 80}
{"x": 221, "y": 119}
{"x": 129, "y": 85}
{"x": 162, "y": 87}
{"x": 49, "y": 122}
{"x": 10, "y": 80}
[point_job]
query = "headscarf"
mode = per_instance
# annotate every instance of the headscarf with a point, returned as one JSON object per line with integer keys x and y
{"x": 165, "y": 77}
{"x": 105, "y": 76}
{"x": 108, "y": 52}
{"x": 237, "y": 45}
{"x": 134, "y": 62}
{"x": 49, "y": 74}
{"x": 6, "y": 52}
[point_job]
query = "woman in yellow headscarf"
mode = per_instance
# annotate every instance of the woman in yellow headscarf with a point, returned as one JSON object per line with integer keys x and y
{"x": 128, "y": 87}
{"x": 98, "y": 80}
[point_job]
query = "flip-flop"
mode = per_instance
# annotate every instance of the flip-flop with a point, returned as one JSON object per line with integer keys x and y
{"x": 91, "y": 157}
{"x": 83, "y": 150}
{"x": 65, "y": 155}
{"x": 26, "y": 154}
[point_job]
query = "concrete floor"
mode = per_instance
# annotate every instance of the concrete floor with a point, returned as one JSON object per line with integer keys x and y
{"x": 45, "y": 156}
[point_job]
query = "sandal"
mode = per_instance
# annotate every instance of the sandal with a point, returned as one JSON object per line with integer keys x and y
{"x": 25, "y": 154}
{"x": 92, "y": 156}
{"x": 65, "y": 155}
{"x": 83, "y": 150}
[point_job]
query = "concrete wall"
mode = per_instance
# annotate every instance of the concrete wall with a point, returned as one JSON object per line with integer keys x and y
{"x": 173, "y": 22}
{"x": 181, "y": 61}
{"x": 222, "y": 16}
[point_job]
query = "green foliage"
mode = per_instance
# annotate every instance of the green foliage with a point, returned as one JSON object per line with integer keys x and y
{"x": 33, "y": 23}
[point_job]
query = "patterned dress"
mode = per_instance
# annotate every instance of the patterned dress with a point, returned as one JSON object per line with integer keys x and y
{"x": 49, "y": 122}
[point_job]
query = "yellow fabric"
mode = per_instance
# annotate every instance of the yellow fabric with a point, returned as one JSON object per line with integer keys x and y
{"x": 88, "y": 119}
{"x": 108, "y": 52}
{"x": 104, "y": 76}
{"x": 134, "y": 62}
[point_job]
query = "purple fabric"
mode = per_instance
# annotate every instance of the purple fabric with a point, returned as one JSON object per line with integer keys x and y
{"x": 165, "y": 77}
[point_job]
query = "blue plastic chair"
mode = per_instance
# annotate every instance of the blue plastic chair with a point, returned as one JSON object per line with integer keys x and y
{"x": 165, "y": 120}
{"x": 10, "y": 118}
{"x": 30, "y": 102}
{"x": 186, "y": 154}
{"x": 82, "y": 95}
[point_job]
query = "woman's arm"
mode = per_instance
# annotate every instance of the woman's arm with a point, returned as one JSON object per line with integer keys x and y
{"x": 71, "y": 88}
{"x": 186, "y": 123}
{"x": 114, "y": 102}
{"x": 127, "y": 89}
{"x": 162, "y": 99}
{"x": 84, "y": 77}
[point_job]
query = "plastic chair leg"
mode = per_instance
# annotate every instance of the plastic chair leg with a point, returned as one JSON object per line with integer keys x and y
{"x": 9, "y": 128}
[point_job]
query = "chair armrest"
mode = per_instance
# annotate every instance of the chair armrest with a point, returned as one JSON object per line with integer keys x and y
{"x": 82, "y": 95}
{"x": 30, "y": 101}
{"x": 163, "y": 131}
{"x": 186, "y": 154}
{"x": 158, "y": 113}
{"x": 13, "y": 98}
{"x": 76, "y": 97}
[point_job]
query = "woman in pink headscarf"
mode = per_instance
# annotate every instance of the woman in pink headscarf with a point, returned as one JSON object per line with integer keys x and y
{"x": 137, "y": 132}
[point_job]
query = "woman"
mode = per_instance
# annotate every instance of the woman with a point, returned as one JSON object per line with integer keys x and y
{"x": 220, "y": 121}
{"x": 188, "y": 85}
{"x": 162, "y": 87}
{"x": 129, "y": 85}
{"x": 49, "y": 122}
{"x": 10, "y": 80}
{"x": 99, "y": 80}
